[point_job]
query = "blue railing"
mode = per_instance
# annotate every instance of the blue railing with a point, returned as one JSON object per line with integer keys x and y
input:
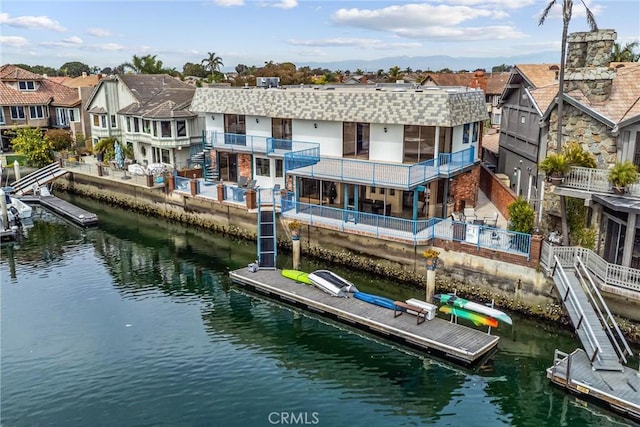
{"x": 417, "y": 232}
{"x": 384, "y": 174}
{"x": 183, "y": 184}
{"x": 301, "y": 158}
{"x": 236, "y": 142}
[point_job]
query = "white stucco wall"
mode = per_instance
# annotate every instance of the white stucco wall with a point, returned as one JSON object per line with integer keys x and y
{"x": 327, "y": 134}
{"x": 386, "y": 146}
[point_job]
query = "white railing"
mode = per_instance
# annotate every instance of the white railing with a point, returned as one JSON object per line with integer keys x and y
{"x": 614, "y": 275}
{"x": 595, "y": 181}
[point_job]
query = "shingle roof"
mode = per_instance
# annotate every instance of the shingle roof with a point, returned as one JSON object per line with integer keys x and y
{"x": 539, "y": 74}
{"x": 83, "y": 81}
{"x": 490, "y": 83}
{"x": 146, "y": 86}
{"x": 169, "y": 103}
{"x": 47, "y": 92}
{"x": 544, "y": 96}
{"x": 624, "y": 101}
{"x": 496, "y": 83}
{"x": 490, "y": 142}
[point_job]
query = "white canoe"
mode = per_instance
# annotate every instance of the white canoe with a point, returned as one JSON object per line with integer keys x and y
{"x": 328, "y": 282}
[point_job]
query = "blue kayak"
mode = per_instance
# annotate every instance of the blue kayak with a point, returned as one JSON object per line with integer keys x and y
{"x": 375, "y": 299}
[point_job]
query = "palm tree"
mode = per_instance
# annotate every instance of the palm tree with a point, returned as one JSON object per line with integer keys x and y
{"x": 147, "y": 64}
{"x": 394, "y": 73}
{"x": 212, "y": 63}
{"x": 567, "y": 7}
{"x": 625, "y": 53}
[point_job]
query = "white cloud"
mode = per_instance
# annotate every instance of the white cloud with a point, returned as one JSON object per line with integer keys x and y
{"x": 499, "y": 4}
{"x": 37, "y": 22}
{"x": 286, "y": 4}
{"x": 354, "y": 42}
{"x": 463, "y": 34}
{"x": 578, "y": 11}
{"x": 99, "y": 32}
{"x": 229, "y": 3}
{"x": 13, "y": 41}
{"x": 111, "y": 47}
{"x": 73, "y": 40}
{"x": 68, "y": 42}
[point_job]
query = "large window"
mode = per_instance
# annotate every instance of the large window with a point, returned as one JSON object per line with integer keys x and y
{"x": 161, "y": 155}
{"x": 64, "y": 116}
{"x": 235, "y": 124}
{"x": 281, "y": 128}
{"x": 136, "y": 125}
{"x": 27, "y": 85}
{"x": 263, "y": 167}
{"x": 103, "y": 121}
{"x": 181, "y": 128}
{"x": 128, "y": 124}
{"x": 114, "y": 121}
{"x": 419, "y": 143}
{"x": 279, "y": 168}
{"x": 17, "y": 112}
{"x": 355, "y": 140}
{"x": 36, "y": 112}
{"x": 165, "y": 129}
{"x": 146, "y": 126}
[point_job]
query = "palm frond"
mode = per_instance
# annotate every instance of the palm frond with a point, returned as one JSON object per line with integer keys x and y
{"x": 545, "y": 12}
{"x": 591, "y": 20}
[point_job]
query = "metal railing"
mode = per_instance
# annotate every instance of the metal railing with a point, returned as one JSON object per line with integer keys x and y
{"x": 614, "y": 275}
{"x": 417, "y": 232}
{"x": 594, "y": 180}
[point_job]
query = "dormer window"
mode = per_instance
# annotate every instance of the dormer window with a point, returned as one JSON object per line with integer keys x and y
{"x": 27, "y": 85}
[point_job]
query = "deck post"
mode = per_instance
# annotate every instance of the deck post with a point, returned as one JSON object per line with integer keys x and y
{"x": 296, "y": 252}
{"x": 431, "y": 284}
{"x": 3, "y": 210}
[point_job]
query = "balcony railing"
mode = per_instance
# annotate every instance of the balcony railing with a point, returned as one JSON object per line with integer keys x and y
{"x": 387, "y": 174}
{"x": 254, "y": 144}
{"x": 594, "y": 181}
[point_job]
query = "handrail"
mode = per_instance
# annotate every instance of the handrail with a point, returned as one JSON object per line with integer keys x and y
{"x": 574, "y": 301}
{"x": 609, "y": 315}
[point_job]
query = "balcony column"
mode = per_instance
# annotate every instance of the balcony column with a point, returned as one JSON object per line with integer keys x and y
{"x": 629, "y": 239}
{"x": 436, "y": 148}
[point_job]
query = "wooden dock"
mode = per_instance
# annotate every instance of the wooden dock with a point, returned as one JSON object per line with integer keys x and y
{"x": 65, "y": 209}
{"x": 458, "y": 343}
{"x": 619, "y": 390}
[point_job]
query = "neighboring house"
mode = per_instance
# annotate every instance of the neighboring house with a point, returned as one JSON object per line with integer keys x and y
{"x": 520, "y": 131}
{"x": 354, "y": 79}
{"x": 150, "y": 113}
{"x": 30, "y": 100}
{"x": 601, "y": 111}
{"x": 492, "y": 84}
{"x": 363, "y": 148}
{"x": 84, "y": 84}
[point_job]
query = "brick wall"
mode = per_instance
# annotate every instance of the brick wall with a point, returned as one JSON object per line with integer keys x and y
{"x": 464, "y": 187}
{"x": 499, "y": 194}
{"x": 244, "y": 165}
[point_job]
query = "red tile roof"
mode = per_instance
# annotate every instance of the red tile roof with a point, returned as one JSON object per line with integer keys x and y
{"x": 47, "y": 92}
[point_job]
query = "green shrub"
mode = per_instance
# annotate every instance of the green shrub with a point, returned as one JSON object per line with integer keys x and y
{"x": 521, "y": 216}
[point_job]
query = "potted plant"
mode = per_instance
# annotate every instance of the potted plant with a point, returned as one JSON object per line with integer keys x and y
{"x": 294, "y": 227}
{"x": 621, "y": 175}
{"x": 556, "y": 165}
{"x": 431, "y": 258}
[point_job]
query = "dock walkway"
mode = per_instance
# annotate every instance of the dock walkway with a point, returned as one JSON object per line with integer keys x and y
{"x": 462, "y": 344}
{"x": 65, "y": 209}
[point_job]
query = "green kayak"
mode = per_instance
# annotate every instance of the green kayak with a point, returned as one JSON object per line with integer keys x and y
{"x": 297, "y": 275}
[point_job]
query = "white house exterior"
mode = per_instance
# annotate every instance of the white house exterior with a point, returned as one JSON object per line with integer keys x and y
{"x": 150, "y": 113}
{"x": 372, "y": 149}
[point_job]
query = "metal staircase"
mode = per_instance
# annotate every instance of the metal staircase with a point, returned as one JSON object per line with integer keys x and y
{"x": 267, "y": 242}
{"x": 595, "y": 325}
{"x": 209, "y": 171}
{"x": 41, "y": 178}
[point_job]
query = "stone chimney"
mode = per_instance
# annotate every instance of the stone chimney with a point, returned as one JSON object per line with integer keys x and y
{"x": 587, "y": 64}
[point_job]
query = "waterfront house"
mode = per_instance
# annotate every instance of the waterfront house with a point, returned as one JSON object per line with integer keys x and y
{"x": 520, "y": 132}
{"x": 150, "y": 113}
{"x": 85, "y": 85}
{"x": 601, "y": 112}
{"x": 31, "y": 100}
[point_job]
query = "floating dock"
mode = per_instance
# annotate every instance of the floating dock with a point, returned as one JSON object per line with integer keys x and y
{"x": 442, "y": 338}
{"x": 65, "y": 209}
{"x": 620, "y": 390}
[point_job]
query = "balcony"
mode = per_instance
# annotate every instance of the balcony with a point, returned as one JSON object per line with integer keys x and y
{"x": 378, "y": 174}
{"x": 589, "y": 181}
{"x": 241, "y": 143}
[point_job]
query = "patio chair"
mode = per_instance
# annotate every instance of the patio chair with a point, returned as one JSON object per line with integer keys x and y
{"x": 469, "y": 214}
{"x": 242, "y": 181}
{"x": 491, "y": 221}
{"x": 252, "y": 184}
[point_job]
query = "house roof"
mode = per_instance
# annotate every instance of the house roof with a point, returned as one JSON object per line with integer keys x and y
{"x": 60, "y": 79}
{"x": 47, "y": 92}
{"x": 496, "y": 83}
{"x": 539, "y": 75}
{"x": 146, "y": 86}
{"x": 169, "y": 103}
{"x": 83, "y": 81}
{"x": 490, "y": 142}
{"x": 490, "y": 83}
{"x": 543, "y": 97}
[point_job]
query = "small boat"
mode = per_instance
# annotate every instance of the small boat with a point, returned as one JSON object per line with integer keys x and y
{"x": 473, "y": 306}
{"x": 320, "y": 281}
{"x": 298, "y": 276}
{"x": 16, "y": 208}
{"x": 375, "y": 299}
{"x": 333, "y": 278}
{"x": 477, "y": 319}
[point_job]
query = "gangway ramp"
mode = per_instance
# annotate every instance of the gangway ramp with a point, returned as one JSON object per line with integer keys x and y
{"x": 40, "y": 178}
{"x": 594, "y": 329}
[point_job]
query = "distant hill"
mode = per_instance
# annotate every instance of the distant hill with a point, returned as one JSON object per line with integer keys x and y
{"x": 434, "y": 63}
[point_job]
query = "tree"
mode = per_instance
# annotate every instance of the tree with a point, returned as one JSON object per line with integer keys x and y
{"x": 74, "y": 69}
{"x": 625, "y": 53}
{"x": 567, "y": 8}
{"x": 107, "y": 147}
{"x": 212, "y": 63}
{"x": 37, "y": 150}
{"x": 521, "y": 216}
{"x": 196, "y": 70}
{"x": 501, "y": 68}
{"x": 147, "y": 64}
{"x": 60, "y": 139}
{"x": 394, "y": 73}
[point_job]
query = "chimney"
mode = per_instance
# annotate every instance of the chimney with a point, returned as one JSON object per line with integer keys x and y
{"x": 587, "y": 64}
{"x": 84, "y": 74}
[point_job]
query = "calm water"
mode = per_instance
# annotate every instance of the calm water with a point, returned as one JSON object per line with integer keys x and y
{"x": 136, "y": 324}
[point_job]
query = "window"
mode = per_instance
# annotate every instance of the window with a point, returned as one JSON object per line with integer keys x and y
{"x": 523, "y": 120}
{"x": 146, "y": 126}
{"x": 114, "y": 121}
{"x": 136, "y": 125}
{"x": 165, "y": 129}
{"x": 495, "y": 119}
{"x": 103, "y": 121}
{"x": 154, "y": 128}
{"x": 419, "y": 143}
{"x": 96, "y": 120}
{"x": 160, "y": 155}
{"x": 17, "y": 112}
{"x": 476, "y": 131}
{"x": 128, "y": 124}
{"x": 27, "y": 85}
{"x": 279, "y": 168}
{"x": 2, "y": 115}
{"x": 36, "y": 112}
{"x": 181, "y": 128}
{"x": 281, "y": 129}
{"x": 262, "y": 167}
{"x": 465, "y": 133}
{"x": 355, "y": 140}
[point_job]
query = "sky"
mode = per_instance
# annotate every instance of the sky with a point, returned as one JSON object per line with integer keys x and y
{"x": 105, "y": 33}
